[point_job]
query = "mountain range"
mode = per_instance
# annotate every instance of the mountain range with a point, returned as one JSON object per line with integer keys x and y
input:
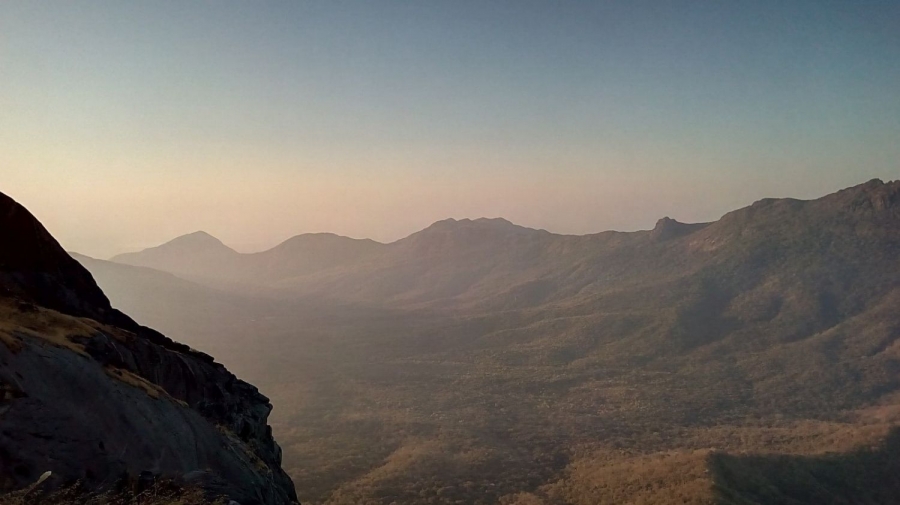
{"x": 492, "y": 263}
{"x": 478, "y": 361}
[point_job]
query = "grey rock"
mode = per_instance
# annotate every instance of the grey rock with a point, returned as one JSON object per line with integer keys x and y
{"x": 134, "y": 404}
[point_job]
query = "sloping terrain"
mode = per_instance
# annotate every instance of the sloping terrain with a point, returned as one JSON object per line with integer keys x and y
{"x": 91, "y": 396}
{"x": 478, "y": 361}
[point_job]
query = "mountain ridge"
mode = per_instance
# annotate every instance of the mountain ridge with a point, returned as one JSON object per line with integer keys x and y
{"x": 470, "y": 262}
{"x": 640, "y": 367}
{"x": 882, "y": 194}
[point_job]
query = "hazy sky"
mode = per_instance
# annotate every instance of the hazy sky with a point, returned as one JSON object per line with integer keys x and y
{"x": 124, "y": 124}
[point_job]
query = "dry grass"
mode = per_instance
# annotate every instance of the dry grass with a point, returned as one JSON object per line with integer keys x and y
{"x": 137, "y": 381}
{"x": 19, "y": 319}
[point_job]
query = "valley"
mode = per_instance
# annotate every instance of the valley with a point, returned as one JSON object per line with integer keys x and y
{"x": 482, "y": 362}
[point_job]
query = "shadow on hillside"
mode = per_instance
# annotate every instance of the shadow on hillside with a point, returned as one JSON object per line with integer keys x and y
{"x": 862, "y": 477}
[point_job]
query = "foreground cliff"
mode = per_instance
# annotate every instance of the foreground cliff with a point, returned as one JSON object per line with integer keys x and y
{"x": 91, "y": 396}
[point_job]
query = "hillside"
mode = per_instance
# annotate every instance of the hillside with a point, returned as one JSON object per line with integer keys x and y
{"x": 187, "y": 311}
{"x": 102, "y": 402}
{"x": 483, "y": 362}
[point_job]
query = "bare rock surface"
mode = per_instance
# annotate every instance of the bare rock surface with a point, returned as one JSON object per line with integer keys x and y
{"x": 90, "y": 395}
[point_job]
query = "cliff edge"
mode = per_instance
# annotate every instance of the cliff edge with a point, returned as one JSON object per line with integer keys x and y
{"x": 91, "y": 396}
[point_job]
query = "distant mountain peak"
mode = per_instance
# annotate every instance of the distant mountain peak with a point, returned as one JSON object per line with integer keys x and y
{"x": 198, "y": 241}
{"x": 874, "y": 183}
{"x": 495, "y": 221}
{"x": 485, "y": 223}
{"x": 320, "y": 237}
{"x": 453, "y": 234}
{"x": 874, "y": 196}
{"x": 666, "y": 222}
{"x": 200, "y": 234}
{"x": 198, "y": 251}
{"x": 321, "y": 242}
{"x": 197, "y": 238}
{"x": 668, "y": 228}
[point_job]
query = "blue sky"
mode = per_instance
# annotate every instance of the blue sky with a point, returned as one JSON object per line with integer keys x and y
{"x": 127, "y": 123}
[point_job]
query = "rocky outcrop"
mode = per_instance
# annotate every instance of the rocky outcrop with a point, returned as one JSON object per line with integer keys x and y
{"x": 34, "y": 267}
{"x": 90, "y": 395}
{"x": 668, "y": 228}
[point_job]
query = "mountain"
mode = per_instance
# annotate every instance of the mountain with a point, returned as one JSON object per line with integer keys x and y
{"x": 196, "y": 255}
{"x": 307, "y": 254}
{"x": 436, "y": 264}
{"x": 449, "y": 259}
{"x": 91, "y": 396}
{"x": 750, "y": 360}
{"x": 203, "y": 258}
{"x": 492, "y": 263}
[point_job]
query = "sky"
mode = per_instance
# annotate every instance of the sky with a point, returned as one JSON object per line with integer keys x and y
{"x": 125, "y": 124}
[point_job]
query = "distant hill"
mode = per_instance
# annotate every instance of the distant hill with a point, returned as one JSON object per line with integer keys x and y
{"x": 307, "y": 254}
{"x": 199, "y": 256}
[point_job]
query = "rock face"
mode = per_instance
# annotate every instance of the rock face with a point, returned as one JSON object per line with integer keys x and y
{"x": 87, "y": 393}
{"x": 34, "y": 267}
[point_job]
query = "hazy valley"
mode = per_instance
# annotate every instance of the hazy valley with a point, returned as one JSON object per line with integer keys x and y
{"x": 748, "y": 360}
{"x": 449, "y": 253}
